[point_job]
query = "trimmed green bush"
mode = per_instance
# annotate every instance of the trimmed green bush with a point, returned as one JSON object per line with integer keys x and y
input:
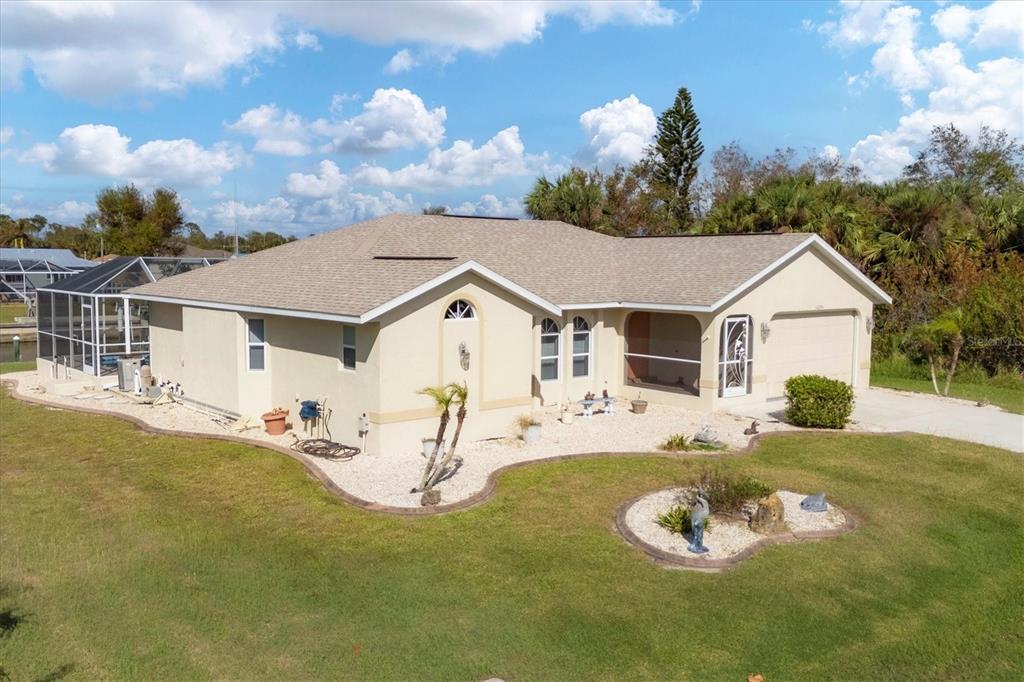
{"x": 818, "y": 401}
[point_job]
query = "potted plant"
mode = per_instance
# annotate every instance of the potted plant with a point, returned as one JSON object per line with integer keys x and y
{"x": 530, "y": 428}
{"x": 639, "y": 405}
{"x": 567, "y": 413}
{"x": 275, "y": 421}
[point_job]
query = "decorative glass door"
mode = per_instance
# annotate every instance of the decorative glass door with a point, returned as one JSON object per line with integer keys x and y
{"x": 735, "y": 356}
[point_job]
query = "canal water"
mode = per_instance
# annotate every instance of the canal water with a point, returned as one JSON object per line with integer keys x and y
{"x": 28, "y": 351}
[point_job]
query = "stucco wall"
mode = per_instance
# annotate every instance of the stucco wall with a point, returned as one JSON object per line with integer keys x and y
{"x": 304, "y": 364}
{"x": 413, "y": 346}
{"x": 809, "y": 284}
{"x": 419, "y": 348}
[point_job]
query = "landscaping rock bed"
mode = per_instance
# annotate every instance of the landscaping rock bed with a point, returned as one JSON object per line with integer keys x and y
{"x": 386, "y": 478}
{"x": 728, "y": 539}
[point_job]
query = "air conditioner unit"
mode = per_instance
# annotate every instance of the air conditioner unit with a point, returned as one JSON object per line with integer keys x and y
{"x": 126, "y": 368}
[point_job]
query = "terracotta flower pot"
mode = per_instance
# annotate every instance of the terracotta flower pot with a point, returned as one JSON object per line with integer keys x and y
{"x": 275, "y": 421}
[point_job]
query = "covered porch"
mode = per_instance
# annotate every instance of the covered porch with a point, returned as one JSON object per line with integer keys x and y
{"x": 663, "y": 352}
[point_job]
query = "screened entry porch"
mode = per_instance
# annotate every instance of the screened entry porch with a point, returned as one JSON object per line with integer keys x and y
{"x": 663, "y": 352}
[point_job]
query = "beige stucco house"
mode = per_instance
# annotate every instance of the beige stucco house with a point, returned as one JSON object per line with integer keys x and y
{"x": 527, "y": 313}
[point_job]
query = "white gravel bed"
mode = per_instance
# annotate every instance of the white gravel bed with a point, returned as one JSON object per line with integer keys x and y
{"x": 387, "y": 478}
{"x": 725, "y": 537}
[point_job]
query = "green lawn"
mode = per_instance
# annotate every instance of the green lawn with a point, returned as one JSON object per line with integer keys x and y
{"x": 6, "y": 367}
{"x": 9, "y": 311}
{"x": 127, "y": 555}
{"x": 1009, "y": 398}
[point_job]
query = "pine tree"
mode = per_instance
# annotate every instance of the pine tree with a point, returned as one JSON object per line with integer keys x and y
{"x": 674, "y": 156}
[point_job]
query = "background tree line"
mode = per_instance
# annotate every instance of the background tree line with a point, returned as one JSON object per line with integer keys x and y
{"x": 945, "y": 239}
{"x": 128, "y": 222}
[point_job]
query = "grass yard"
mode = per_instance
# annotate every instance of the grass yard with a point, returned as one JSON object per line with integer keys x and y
{"x": 127, "y": 555}
{"x": 24, "y": 366}
{"x": 1005, "y": 389}
{"x": 9, "y": 311}
{"x": 1009, "y": 398}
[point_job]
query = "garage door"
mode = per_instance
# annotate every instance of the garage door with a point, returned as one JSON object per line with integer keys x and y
{"x": 810, "y": 343}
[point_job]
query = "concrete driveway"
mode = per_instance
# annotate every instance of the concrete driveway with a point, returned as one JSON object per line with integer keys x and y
{"x": 880, "y": 409}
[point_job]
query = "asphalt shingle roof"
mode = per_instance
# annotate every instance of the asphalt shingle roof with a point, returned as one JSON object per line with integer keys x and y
{"x": 352, "y": 270}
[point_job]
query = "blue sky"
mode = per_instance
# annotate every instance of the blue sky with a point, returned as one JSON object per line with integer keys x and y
{"x": 318, "y": 115}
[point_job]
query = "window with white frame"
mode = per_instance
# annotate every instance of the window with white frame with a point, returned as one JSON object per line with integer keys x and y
{"x": 257, "y": 343}
{"x": 460, "y": 310}
{"x": 348, "y": 346}
{"x": 549, "y": 338}
{"x": 580, "y": 347}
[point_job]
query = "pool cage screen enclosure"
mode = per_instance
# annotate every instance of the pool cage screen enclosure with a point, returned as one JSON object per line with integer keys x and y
{"x": 87, "y": 323}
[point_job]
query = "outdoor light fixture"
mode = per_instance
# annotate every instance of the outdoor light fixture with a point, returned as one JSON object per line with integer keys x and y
{"x": 870, "y": 323}
{"x": 464, "y": 356}
{"x": 765, "y": 331}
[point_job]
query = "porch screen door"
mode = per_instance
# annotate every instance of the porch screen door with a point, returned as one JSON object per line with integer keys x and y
{"x": 88, "y": 349}
{"x": 734, "y": 364}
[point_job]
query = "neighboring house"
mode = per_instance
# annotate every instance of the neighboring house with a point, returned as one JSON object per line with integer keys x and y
{"x": 86, "y": 322}
{"x": 527, "y": 313}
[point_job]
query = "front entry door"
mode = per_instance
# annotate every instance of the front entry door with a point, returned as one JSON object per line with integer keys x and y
{"x": 735, "y": 355}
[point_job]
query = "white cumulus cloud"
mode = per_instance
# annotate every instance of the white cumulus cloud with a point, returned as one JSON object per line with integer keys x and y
{"x": 617, "y": 132}
{"x": 402, "y": 61}
{"x": 461, "y": 165}
{"x": 392, "y": 119}
{"x": 99, "y": 50}
{"x": 276, "y": 131}
{"x": 492, "y": 206}
{"x": 101, "y": 150}
{"x": 328, "y": 182}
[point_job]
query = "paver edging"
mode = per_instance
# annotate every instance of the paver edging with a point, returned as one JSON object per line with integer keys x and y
{"x": 477, "y": 498}
{"x": 671, "y": 559}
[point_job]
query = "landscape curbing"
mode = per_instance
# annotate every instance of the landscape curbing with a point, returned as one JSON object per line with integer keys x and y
{"x": 477, "y": 498}
{"x": 673, "y": 560}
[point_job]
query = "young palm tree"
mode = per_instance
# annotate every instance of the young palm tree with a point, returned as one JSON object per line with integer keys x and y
{"x": 459, "y": 394}
{"x": 442, "y": 397}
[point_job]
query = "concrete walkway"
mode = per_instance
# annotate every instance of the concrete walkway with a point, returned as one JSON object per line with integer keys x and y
{"x": 880, "y": 409}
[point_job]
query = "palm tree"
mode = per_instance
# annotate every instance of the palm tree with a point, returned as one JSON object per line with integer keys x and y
{"x": 442, "y": 396}
{"x": 459, "y": 394}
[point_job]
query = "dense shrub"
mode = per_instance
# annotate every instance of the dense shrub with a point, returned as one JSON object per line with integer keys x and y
{"x": 677, "y": 520}
{"x": 817, "y": 401}
{"x": 727, "y": 492}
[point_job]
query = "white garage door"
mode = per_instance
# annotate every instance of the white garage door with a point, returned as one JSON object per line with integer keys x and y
{"x": 810, "y": 343}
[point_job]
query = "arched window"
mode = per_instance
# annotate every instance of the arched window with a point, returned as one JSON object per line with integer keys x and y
{"x": 549, "y": 334}
{"x": 460, "y": 310}
{"x": 580, "y": 347}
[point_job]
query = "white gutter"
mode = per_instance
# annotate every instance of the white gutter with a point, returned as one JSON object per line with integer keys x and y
{"x": 258, "y": 310}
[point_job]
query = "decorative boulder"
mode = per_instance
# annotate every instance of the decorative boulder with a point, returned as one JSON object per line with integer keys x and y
{"x": 706, "y": 435}
{"x": 430, "y": 498}
{"x": 770, "y": 516}
{"x": 814, "y": 503}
